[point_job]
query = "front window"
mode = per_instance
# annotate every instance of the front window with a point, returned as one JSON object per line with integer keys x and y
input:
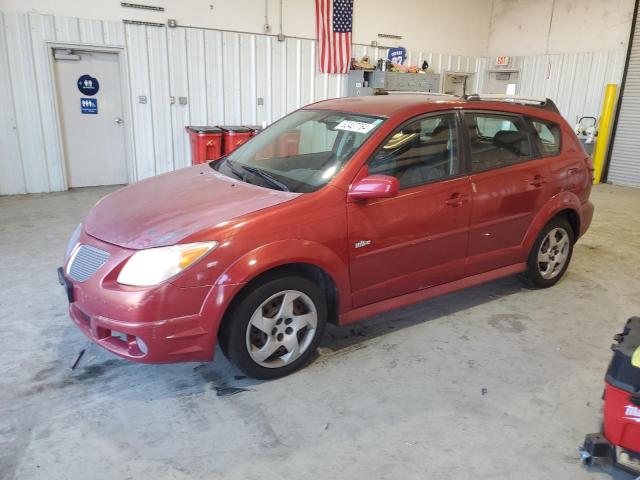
{"x": 421, "y": 151}
{"x": 302, "y": 152}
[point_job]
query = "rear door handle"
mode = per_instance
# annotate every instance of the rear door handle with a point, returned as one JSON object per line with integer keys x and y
{"x": 538, "y": 181}
{"x": 456, "y": 200}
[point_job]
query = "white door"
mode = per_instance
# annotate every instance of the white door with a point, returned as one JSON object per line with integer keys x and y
{"x": 91, "y": 110}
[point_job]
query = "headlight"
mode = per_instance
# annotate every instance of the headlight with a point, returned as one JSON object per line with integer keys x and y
{"x": 155, "y": 265}
{"x": 73, "y": 241}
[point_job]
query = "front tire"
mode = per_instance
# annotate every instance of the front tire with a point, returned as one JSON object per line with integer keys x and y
{"x": 551, "y": 253}
{"x": 275, "y": 327}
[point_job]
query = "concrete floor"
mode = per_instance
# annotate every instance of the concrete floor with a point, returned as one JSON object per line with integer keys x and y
{"x": 496, "y": 382}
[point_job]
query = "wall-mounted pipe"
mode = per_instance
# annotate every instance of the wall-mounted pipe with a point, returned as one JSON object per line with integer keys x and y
{"x": 280, "y": 32}
{"x": 267, "y": 27}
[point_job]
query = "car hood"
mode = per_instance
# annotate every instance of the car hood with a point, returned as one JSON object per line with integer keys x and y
{"x": 165, "y": 209}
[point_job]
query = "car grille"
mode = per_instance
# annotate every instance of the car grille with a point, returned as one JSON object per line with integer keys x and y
{"x": 85, "y": 262}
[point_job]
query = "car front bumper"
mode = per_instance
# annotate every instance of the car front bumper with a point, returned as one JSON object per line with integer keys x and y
{"x": 161, "y": 324}
{"x": 160, "y": 341}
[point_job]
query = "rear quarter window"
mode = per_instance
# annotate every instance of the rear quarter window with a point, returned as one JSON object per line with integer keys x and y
{"x": 547, "y": 136}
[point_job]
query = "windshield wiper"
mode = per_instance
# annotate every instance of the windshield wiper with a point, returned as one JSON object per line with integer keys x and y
{"x": 235, "y": 171}
{"x": 265, "y": 176}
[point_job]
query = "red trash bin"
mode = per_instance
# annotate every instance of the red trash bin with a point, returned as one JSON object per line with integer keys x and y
{"x": 288, "y": 143}
{"x": 234, "y": 136}
{"x": 255, "y": 129}
{"x": 206, "y": 143}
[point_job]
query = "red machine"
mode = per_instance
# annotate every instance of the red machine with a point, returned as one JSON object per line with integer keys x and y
{"x": 620, "y": 439}
{"x": 206, "y": 144}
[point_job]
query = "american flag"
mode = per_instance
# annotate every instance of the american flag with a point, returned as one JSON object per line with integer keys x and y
{"x": 334, "y": 21}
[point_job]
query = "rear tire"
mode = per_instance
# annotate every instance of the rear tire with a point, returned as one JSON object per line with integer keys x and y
{"x": 551, "y": 254}
{"x": 274, "y": 328}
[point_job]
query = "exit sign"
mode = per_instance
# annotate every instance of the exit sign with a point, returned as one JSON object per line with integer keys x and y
{"x": 502, "y": 61}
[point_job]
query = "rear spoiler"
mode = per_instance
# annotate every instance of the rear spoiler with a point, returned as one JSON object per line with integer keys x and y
{"x": 539, "y": 102}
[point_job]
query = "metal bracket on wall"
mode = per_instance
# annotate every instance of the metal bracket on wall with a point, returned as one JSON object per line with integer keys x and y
{"x": 143, "y": 7}
{"x": 137, "y": 22}
{"x": 65, "y": 54}
{"x": 388, "y": 35}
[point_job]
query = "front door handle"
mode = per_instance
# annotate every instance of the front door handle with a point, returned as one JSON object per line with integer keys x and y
{"x": 119, "y": 120}
{"x": 456, "y": 200}
{"x": 538, "y": 181}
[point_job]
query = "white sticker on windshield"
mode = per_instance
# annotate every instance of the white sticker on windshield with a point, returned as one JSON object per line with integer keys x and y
{"x": 352, "y": 126}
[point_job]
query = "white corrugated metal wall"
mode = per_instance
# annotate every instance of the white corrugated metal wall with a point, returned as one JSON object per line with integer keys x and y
{"x": 574, "y": 81}
{"x": 223, "y": 75}
{"x": 30, "y": 158}
{"x": 624, "y": 168}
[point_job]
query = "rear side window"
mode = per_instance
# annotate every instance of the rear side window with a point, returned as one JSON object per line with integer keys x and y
{"x": 547, "y": 136}
{"x": 496, "y": 140}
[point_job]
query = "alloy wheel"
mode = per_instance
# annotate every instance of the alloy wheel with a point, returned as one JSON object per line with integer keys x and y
{"x": 553, "y": 253}
{"x": 281, "y": 329}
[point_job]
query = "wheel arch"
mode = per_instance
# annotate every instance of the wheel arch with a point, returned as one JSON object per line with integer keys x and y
{"x": 305, "y": 258}
{"x": 565, "y": 205}
{"x": 573, "y": 218}
{"x": 309, "y": 271}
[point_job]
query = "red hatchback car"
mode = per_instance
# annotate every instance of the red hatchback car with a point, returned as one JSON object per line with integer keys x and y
{"x": 341, "y": 210}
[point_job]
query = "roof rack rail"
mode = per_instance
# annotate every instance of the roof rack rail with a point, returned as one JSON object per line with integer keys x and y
{"x": 384, "y": 91}
{"x": 540, "y": 102}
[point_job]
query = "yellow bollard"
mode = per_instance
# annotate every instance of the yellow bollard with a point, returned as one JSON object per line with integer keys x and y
{"x": 604, "y": 130}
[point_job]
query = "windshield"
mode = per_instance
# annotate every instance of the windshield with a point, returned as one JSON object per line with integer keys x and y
{"x": 300, "y": 153}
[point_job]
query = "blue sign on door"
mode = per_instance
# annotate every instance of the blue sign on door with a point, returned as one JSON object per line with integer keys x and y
{"x": 88, "y": 85}
{"x": 89, "y": 106}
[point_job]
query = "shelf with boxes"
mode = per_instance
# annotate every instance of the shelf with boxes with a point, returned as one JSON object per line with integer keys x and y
{"x": 365, "y": 82}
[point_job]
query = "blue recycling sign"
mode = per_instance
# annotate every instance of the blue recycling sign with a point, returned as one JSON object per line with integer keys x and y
{"x": 89, "y": 106}
{"x": 88, "y": 85}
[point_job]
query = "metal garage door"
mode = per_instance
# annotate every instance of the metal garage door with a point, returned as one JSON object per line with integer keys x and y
{"x": 624, "y": 168}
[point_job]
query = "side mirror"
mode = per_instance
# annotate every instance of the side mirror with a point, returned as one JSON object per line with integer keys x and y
{"x": 374, "y": 186}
